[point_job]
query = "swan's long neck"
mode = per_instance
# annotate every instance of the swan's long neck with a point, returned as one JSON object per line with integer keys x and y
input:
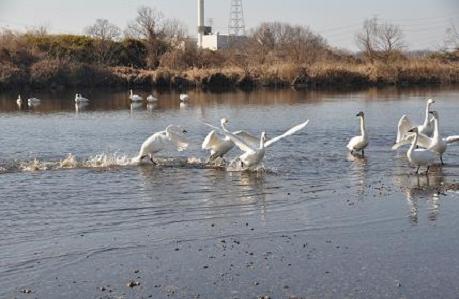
{"x": 426, "y": 120}
{"x": 362, "y": 126}
{"x": 436, "y": 133}
{"x": 262, "y": 142}
{"x": 415, "y": 141}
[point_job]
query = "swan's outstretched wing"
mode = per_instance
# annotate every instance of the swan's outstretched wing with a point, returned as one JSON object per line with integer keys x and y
{"x": 288, "y": 133}
{"x": 238, "y": 141}
{"x": 248, "y": 138}
{"x": 178, "y": 140}
{"x": 404, "y": 125}
{"x": 451, "y": 139}
{"x": 423, "y": 141}
{"x": 210, "y": 141}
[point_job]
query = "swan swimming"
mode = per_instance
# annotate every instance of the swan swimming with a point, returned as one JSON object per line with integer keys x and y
{"x": 134, "y": 97}
{"x": 219, "y": 146}
{"x": 405, "y": 124}
{"x": 80, "y": 99}
{"x": 253, "y": 155}
{"x": 171, "y": 136}
{"x": 152, "y": 99}
{"x": 184, "y": 97}
{"x": 436, "y": 143}
{"x": 419, "y": 156}
{"x": 359, "y": 143}
{"x": 33, "y": 102}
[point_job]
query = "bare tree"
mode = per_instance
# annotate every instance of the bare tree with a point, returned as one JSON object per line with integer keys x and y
{"x": 103, "y": 33}
{"x": 285, "y": 42}
{"x": 452, "y": 40}
{"x": 103, "y": 30}
{"x": 147, "y": 26}
{"x": 174, "y": 33}
{"x": 379, "y": 40}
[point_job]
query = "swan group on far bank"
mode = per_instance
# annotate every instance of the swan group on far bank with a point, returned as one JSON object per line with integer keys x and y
{"x": 426, "y": 144}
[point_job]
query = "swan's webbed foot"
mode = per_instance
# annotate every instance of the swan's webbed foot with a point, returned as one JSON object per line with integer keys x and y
{"x": 153, "y": 161}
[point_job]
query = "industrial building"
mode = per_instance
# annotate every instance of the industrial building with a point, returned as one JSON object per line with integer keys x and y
{"x": 214, "y": 41}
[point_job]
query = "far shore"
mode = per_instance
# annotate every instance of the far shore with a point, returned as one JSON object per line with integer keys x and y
{"x": 315, "y": 76}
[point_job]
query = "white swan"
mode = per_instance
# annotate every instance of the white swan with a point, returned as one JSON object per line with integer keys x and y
{"x": 184, "y": 97}
{"x": 440, "y": 144}
{"x": 19, "y": 100}
{"x": 359, "y": 143}
{"x": 436, "y": 143}
{"x": 134, "y": 97}
{"x": 172, "y": 136}
{"x": 152, "y": 99}
{"x": 80, "y": 99}
{"x": 253, "y": 156}
{"x": 219, "y": 146}
{"x": 419, "y": 157}
{"x": 33, "y": 102}
{"x": 405, "y": 124}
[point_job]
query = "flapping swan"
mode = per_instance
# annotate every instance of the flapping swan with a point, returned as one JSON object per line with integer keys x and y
{"x": 436, "y": 143}
{"x": 152, "y": 99}
{"x": 171, "y": 137}
{"x": 359, "y": 143}
{"x": 405, "y": 124}
{"x": 134, "y": 97}
{"x": 419, "y": 156}
{"x": 184, "y": 97}
{"x": 253, "y": 156}
{"x": 19, "y": 100}
{"x": 219, "y": 146}
{"x": 80, "y": 99}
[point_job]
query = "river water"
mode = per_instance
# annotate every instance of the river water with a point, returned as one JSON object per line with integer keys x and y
{"x": 79, "y": 220}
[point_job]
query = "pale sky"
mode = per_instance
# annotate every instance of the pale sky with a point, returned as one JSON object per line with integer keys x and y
{"x": 424, "y": 21}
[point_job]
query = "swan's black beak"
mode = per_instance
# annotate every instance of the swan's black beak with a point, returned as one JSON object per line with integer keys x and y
{"x": 185, "y": 131}
{"x": 411, "y": 130}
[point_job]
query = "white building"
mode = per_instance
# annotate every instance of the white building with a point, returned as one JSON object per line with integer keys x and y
{"x": 213, "y": 41}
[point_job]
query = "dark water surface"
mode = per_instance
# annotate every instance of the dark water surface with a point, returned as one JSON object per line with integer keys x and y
{"x": 78, "y": 221}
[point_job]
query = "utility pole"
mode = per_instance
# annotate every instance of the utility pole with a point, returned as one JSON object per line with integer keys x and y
{"x": 236, "y": 25}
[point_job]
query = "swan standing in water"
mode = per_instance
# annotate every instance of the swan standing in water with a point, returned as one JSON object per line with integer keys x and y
{"x": 440, "y": 144}
{"x": 436, "y": 143}
{"x": 134, "y": 97}
{"x": 219, "y": 146}
{"x": 253, "y": 155}
{"x": 80, "y": 99}
{"x": 405, "y": 124}
{"x": 19, "y": 101}
{"x": 184, "y": 97}
{"x": 419, "y": 157}
{"x": 359, "y": 143}
{"x": 171, "y": 137}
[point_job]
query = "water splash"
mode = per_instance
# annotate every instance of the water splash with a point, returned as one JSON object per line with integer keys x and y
{"x": 32, "y": 166}
{"x": 110, "y": 160}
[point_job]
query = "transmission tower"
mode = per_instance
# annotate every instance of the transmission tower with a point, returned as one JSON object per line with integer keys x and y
{"x": 236, "y": 26}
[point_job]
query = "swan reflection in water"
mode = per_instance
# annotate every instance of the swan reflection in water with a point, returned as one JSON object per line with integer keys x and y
{"x": 418, "y": 188}
{"x": 358, "y": 173}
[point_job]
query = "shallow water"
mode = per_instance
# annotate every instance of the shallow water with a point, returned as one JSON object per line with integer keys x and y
{"x": 78, "y": 219}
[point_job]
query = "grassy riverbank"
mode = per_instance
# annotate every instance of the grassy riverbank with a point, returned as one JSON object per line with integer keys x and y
{"x": 43, "y": 61}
